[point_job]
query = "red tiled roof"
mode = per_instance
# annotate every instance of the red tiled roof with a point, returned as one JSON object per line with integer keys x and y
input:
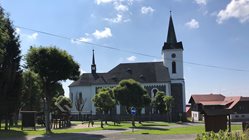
{"x": 217, "y": 99}
{"x": 207, "y": 97}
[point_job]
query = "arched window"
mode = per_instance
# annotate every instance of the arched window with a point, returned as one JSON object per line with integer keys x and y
{"x": 173, "y": 67}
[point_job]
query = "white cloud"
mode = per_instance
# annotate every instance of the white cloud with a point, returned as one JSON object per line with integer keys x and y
{"x": 117, "y": 19}
{"x": 102, "y": 34}
{"x": 85, "y": 39}
{"x": 192, "y": 24}
{"x": 32, "y": 36}
{"x": 235, "y": 9}
{"x": 120, "y": 7}
{"x": 201, "y": 2}
{"x": 131, "y": 58}
{"x": 147, "y": 10}
{"x": 103, "y": 1}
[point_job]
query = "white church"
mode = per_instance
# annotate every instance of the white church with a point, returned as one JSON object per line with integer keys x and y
{"x": 166, "y": 76}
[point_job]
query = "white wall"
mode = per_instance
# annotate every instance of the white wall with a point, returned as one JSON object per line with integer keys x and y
{"x": 87, "y": 93}
{"x": 196, "y": 116}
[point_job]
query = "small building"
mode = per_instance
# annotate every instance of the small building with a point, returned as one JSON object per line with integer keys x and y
{"x": 218, "y": 109}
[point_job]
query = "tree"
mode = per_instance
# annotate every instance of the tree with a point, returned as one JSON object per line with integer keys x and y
{"x": 169, "y": 100}
{"x": 31, "y": 98}
{"x": 10, "y": 72}
{"x": 130, "y": 93}
{"x": 104, "y": 101}
{"x": 158, "y": 102}
{"x": 52, "y": 65}
{"x": 79, "y": 103}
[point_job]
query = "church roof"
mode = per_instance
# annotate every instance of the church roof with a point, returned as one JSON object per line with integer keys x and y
{"x": 171, "y": 38}
{"x": 146, "y": 72}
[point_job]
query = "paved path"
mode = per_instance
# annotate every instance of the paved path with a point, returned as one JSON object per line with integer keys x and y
{"x": 112, "y": 135}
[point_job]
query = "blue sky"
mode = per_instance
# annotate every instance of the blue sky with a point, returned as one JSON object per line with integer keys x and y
{"x": 213, "y": 33}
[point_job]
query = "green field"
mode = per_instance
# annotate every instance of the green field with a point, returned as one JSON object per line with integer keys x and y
{"x": 150, "y": 127}
{"x": 180, "y": 130}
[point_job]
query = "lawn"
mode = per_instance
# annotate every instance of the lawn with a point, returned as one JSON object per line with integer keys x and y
{"x": 16, "y": 131}
{"x": 149, "y": 127}
{"x": 179, "y": 130}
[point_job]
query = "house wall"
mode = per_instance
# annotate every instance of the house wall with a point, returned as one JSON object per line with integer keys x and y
{"x": 196, "y": 116}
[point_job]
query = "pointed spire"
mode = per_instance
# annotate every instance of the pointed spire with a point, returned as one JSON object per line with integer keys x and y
{"x": 93, "y": 66}
{"x": 93, "y": 61}
{"x": 171, "y": 38}
{"x": 171, "y": 42}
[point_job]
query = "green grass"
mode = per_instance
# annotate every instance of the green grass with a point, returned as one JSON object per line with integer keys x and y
{"x": 16, "y": 131}
{"x": 144, "y": 128}
{"x": 180, "y": 130}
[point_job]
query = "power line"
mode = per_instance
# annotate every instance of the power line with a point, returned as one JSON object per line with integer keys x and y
{"x": 129, "y": 51}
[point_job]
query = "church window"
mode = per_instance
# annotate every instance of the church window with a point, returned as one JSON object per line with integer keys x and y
{"x": 80, "y": 95}
{"x": 153, "y": 92}
{"x": 173, "y": 67}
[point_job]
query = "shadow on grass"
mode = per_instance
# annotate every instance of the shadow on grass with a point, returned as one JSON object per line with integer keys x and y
{"x": 151, "y": 128}
{"x": 7, "y": 134}
{"x": 114, "y": 129}
{"x": 155, "y": 124}
{"x": 70, "y": 136}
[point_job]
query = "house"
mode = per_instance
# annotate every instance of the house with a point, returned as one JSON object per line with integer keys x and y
{"x": 164, "y": 76}
{"x": 218, "y": 109}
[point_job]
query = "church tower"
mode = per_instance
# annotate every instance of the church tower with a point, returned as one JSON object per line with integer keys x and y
{"x": 172, "y": 53}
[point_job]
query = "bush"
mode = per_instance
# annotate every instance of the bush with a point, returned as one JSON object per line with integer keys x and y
{"x": 224, "y": 135}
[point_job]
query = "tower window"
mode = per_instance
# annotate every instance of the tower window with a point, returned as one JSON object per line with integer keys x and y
{"x": 173, "y": 67}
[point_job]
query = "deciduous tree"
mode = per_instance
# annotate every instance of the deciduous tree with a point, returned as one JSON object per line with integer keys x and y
{"x": 158, "y": 102}
{"x": 104, "y": 101}
{"x": 130, "y": 93}
{"x": 52, "y": 65}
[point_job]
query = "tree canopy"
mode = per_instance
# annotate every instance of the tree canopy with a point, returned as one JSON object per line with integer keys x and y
{"x": 158, "y": 102}
{"x": 104, "y": 100}
{"x": 31, "y": 98}
{"x": 130, "y": 93}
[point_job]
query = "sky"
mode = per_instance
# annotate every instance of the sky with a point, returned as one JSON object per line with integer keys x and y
{"x": 214, "y": 35}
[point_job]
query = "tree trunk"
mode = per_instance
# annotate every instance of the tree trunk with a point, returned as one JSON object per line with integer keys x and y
{"x": 47, "y": 115}
{"x": 6, "y": 124}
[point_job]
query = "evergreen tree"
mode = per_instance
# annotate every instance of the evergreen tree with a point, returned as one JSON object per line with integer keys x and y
{"x": 10, "y": 72}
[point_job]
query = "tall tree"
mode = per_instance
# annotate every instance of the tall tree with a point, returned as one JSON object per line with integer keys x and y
{"x": 130, "y": 93}
{"x": 104, "y": 101}
{"x": 10, "y": 72}
{"x": 52, "y": 65}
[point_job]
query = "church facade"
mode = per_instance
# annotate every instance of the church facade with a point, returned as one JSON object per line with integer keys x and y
{"x": 166, "y": 76}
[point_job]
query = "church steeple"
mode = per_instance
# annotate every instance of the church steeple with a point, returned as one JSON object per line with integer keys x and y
{"x": 93, "y": 66}
{"x": 171, "y": 42}
{"x": 171, "y": 38}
